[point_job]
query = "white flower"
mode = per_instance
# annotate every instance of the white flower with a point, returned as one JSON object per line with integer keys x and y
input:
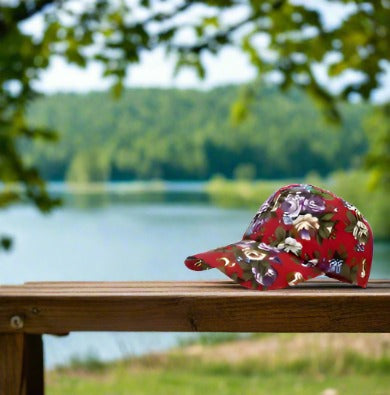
{"x": 360, "y": 230}
{"x": 310, "y": 263}
{"x": 254, "y": 255}
{"x": 290, "y": 245}
{"x": 245, "y": 244}
{"x": 295, "y": 278}
{"x": 306, "y": 222}
{"x": 352, "y": 208}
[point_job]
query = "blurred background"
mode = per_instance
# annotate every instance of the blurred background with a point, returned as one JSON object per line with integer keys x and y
{"x": 134, "y": 133}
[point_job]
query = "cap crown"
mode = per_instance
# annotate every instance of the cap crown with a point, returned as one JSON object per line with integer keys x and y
{"x": 319, "y": 228}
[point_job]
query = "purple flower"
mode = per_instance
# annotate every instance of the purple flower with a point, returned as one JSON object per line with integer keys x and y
{"x": 292, "y": 205}
{"x": 314, "y": 204}
{"x": 263, "y": 208}
{"x": 267, "y": 247}
{"x": 323, "y": 265}
{"x": 257, "y": 223}
{"x": 266, "y": 205}
{"x": 275, "y": 258}
{"x": 305, "y": 235}
{"x": 245, "y": 244}
{"x": 266, "y": 279}
{"x": 359, "y": 247}
{"x": 336, "y": 265}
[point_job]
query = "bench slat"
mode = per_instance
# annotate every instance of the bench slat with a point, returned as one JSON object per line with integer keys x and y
{"x": 215, "y": 306}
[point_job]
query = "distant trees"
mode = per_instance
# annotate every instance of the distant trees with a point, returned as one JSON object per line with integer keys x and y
{"x": 87, "y": 166}
{"x": 174, "y": 134}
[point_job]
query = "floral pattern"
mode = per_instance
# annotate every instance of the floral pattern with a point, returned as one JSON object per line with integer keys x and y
{"x": 290, "y": 245}
{"x": 299, "y": 232}
{"x": 306, "y": 225}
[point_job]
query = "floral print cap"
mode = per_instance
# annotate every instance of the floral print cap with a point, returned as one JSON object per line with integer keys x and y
{"x": 300, "y": 232}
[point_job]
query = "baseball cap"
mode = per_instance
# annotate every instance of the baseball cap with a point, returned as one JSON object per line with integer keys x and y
{"x": 300, "y": 232}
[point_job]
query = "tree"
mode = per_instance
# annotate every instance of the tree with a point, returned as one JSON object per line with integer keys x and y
{"x": 294, "y": 39}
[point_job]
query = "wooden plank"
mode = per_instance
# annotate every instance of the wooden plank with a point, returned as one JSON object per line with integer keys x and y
{"x": 314, "y": 283}
{"x": 229, "y": 286}
{"x": 21, "y": 364}
{"x": 193, "y": 306}
{"x": 33, "y": 365}
{"x": 176, "y": 288}
{"x": 323, "y": 280}
{"x": 11, "y": 363}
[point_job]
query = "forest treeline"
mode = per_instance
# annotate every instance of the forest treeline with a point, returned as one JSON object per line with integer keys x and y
{"x": 189, "y": 134}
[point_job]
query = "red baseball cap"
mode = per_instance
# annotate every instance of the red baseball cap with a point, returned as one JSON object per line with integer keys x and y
{"x": 300, "y": 232}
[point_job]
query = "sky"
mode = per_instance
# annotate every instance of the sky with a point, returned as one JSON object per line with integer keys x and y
{"x": 156, "y": 69}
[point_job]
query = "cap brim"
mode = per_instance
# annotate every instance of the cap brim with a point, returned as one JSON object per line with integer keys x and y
{"x": 255, "y": 265}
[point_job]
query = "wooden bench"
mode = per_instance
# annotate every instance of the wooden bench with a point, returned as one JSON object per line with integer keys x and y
{"x": 30, "y": 310}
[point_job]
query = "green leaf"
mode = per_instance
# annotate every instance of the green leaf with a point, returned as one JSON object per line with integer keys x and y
{"x": 6, "y": 242}
{"x": 349, "y": 228}
{"x": 234, "y": 276}
{"x": 327, "y": 196}
{"x": 280, "y": 233}
{"x": 354, "y": 273}
{"x": 247, "y": 276}
{"x": 117, "y": 89}
{"x": 327, "y": 217}
{"x": 323, "y": 232}
{"x": 352, "y": 219}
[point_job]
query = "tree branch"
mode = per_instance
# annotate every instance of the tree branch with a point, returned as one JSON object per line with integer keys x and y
{"x": 20, "y": 13}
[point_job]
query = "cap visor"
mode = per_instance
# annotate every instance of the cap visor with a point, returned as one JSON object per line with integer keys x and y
{"x": 255, "y": 265}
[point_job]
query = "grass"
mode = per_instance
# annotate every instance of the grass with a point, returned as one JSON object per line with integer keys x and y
{"x": 295, "y": 366}
{"x": 188, "y": 383}
{"x": 88, "y": 363}
{"x": 207, "y": 339}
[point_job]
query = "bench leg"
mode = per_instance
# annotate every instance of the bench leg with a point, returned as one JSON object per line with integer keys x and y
{"x": 21, "y": 364}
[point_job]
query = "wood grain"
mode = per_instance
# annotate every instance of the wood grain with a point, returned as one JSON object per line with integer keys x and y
{"x": 11, "y": 363}
{"x": 33, "y": 366}
{"x": 21, "y": 364}
{"x": 215, "y": 306}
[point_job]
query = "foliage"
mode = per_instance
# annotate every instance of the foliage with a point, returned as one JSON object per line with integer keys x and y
{"x": 378, "y": 159}
{"x": 88, "y": 363}
{"x": 172, "y": 134}
{"x": 210, "y": 338}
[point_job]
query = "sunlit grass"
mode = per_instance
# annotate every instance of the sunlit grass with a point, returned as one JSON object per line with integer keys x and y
{"x": 295, "y": 367}
{"x": 190, "y": 383}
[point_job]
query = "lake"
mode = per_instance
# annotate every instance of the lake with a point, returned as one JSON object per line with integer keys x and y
{"x": 136, "y": 231}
